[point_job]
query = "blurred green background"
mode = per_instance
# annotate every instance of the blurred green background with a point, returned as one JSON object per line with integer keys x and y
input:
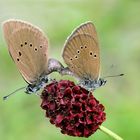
{"x": 118, "y": 26}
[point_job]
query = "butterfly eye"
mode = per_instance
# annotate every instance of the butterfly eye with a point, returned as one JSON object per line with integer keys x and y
{"x": 17, "y": 59}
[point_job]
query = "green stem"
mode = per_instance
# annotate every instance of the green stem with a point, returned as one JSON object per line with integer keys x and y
{"x": 110, "y": 133}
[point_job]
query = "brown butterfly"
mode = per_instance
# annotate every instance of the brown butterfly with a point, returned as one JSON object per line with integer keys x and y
{"x": 28, "y": 47}
{"x": 81, "y": 54}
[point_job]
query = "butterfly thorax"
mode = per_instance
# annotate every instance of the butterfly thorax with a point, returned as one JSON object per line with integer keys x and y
{"x": 92, "y": 84}
{"x": 32, "y": 88}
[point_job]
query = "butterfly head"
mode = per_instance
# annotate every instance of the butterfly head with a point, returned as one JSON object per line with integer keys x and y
{"x": 32, "y": 88}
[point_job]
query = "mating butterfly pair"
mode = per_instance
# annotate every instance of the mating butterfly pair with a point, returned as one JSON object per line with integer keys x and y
{"x": 28, "y": 47}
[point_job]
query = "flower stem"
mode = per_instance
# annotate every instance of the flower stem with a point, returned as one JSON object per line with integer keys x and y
{"x": 110, "y": 133}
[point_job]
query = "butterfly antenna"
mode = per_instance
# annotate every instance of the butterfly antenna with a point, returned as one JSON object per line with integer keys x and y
{"x": 7, "y": 96}
{"x": 114, "y": 75}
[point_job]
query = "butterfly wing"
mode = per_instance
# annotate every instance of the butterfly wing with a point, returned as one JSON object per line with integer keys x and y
{"x": 85, "y": 28}
{"x": 12, "y": 25}
{"x": 28, "y": 47}
{"x": 81, "y": 54}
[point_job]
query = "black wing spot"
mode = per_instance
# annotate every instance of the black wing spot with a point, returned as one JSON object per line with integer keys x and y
{"x": 17, "y": 59}
{"x": 95, "y": 55}
{"x": 35, "y": 49}
{"x": 40, "y": 46}
{"x": 81, "y": 47}
{"x": 25, "y": 43}
{"x": 71, "y": 59}
{"x": 31, "y": 45}
{"x": 85, "y": 46}
{"x": 76, "y": 57}
{"x": 78, "y": 51}
{"x": 21, "y": 45}
{"x": 91, "y": 53}
{"x": 19, "y": 53}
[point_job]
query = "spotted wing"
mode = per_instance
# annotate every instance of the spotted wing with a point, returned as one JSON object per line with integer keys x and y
{"x": 85, "y": 28}
{"x": 81, "y": 54}
{"x": 28, "y": 47}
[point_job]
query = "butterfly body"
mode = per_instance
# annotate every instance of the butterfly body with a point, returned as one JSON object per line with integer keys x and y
{"x": 92, "y": 84}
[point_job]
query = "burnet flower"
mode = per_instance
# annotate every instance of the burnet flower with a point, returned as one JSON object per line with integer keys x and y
{"x": 72, "y": 108}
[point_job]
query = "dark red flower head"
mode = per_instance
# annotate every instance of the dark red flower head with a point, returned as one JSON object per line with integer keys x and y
{"x": 72, "y": 108}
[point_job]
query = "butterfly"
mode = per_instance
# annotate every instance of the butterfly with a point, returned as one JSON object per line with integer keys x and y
{"x": 28, "y": 47}
{"x": 81, "y": 54}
